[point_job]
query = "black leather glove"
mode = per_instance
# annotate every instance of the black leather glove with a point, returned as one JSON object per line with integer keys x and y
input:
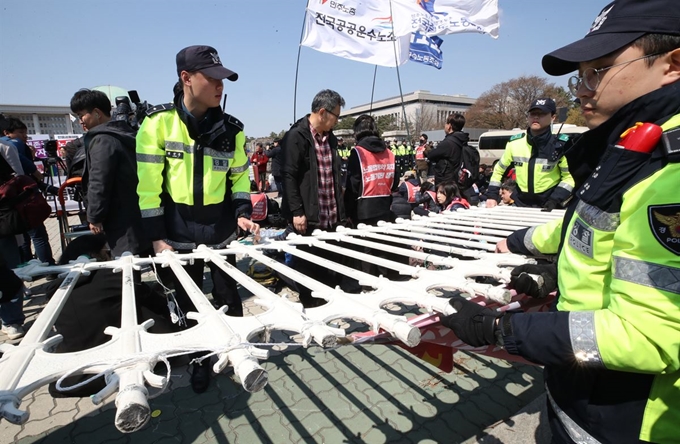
{"x": 472, "y": 323}
{"x": 523, "y": 283}
{"x": 550, "y": 205}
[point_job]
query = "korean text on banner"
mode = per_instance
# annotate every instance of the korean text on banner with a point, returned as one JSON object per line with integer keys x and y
{"x": 342, "y": 36}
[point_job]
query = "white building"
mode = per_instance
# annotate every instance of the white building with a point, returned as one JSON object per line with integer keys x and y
{"x": 421, "y": 107}
{"x": 44, "y": 119}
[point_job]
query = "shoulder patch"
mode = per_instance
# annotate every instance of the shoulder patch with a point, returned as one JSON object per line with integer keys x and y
{"x": 160, "y": 108}
{"x": 665, "y": 223}
{"x": 235, "y": 122}
{"x": 517, "y": 136}
{"x": 563, "y": 137}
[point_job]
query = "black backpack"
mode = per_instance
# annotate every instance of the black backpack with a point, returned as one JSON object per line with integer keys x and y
{"x": 469, "y": 167}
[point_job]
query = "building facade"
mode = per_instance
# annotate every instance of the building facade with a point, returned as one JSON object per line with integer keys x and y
{"x": 423, "y": 110}
{"x": 43, "y": 119}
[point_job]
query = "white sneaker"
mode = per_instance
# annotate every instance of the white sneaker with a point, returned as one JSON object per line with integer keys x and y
{"x": 13, "y": 331}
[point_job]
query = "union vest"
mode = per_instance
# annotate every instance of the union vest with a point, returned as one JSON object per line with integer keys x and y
{"x": 377, "y": 172}
{"x": 420, "y": 152}
{"x": 259, "y": 201}
{"x": 457, "y": 201}
{"x": 412, "y": 190}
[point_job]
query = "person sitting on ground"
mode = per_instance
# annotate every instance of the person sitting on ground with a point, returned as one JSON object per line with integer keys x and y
{"x": 94, "y": 304}
{"x": 404, "y": 199}
{"x": 266, "y": 211}
{"x": 427, "y": 201}
{"x": 449, "y": 198}
{"x": 508, "y": 190}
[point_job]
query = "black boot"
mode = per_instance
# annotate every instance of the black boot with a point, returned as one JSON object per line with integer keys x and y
{"x": 200, "y": 376}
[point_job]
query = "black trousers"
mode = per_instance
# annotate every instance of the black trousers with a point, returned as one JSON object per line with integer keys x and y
{"x": 224, "y": 292}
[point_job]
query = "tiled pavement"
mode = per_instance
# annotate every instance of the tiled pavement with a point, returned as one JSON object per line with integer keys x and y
{"x": 371, "y": 393}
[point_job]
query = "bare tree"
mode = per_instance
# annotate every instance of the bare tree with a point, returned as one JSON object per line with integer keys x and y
{"x": 425, "y": 120}
{"x": 504, "y": 106}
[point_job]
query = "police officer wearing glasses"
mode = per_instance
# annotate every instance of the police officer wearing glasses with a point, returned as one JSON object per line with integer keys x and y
{"x": 611, "y": 347}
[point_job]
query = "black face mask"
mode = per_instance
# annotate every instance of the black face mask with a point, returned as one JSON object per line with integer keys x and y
{"x": 422, "y": 142}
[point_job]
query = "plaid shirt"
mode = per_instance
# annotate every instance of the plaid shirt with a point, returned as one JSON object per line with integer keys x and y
{"x": 328, "y": 207}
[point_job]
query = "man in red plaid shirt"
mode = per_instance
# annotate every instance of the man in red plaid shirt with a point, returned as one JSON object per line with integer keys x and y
{"x": 312, "y": 192}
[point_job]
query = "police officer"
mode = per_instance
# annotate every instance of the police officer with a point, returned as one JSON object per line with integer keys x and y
{"x": 611, "y": 350}
{"x": 193, "y": 176}
{"x": 543, "y": 178}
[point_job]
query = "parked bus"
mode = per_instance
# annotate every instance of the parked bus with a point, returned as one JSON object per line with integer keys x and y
{"x": 492, "y": 143}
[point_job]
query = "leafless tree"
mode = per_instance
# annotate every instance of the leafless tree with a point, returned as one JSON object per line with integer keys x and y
{"x": 504, "y": 106}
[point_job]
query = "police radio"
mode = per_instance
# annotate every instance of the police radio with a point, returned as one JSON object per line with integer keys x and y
{"x": 642, "y": 138}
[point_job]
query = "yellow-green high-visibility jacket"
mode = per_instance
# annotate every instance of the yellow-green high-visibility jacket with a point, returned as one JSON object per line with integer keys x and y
{"x": 540, "y": 240}
{"x": 192, "y": 186}
{"x": 612, "y": 348}
{"x": 542, "y": 172}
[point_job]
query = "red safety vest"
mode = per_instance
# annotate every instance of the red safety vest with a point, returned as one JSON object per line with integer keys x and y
{"x": 462, "y": 202}
{"x": 412, "y": 189}
{"x": 420, "y": 152}
{"x": 377, "y": 172}
{"x": 433, "y": 196}
{"x": 259, "y": 201}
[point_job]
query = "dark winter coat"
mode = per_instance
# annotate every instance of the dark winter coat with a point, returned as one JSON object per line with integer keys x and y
{"x": 276, "y": 156}
{"x": 300, "y": 177}
{"x": 375, "y": 208}
{"x": 447, "y": 157}
{"x": 110, "y": 186}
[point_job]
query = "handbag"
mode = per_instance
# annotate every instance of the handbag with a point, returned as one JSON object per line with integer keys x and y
{"x": 22, "y": 206}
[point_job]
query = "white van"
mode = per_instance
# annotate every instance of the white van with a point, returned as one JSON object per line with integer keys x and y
{"x": 492, "y": 143}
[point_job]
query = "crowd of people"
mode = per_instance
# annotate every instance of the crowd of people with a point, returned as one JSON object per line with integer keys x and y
{"x": 610, "y": 346}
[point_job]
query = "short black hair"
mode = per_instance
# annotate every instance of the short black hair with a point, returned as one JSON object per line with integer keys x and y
{"x": 509, "y": 185}
{"x": 87, "y": 244}
{"x": 424, "y": 136}
{"x": 656, "y": 44}
{"x": 88, "y": 100}
{"x": 365, "y": 126}
{"x": 457, "y": 121}
{"x": 14, "y": 124}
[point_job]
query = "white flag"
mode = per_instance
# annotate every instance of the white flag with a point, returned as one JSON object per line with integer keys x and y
{"x": 439, "y": 17}
{"x": 73, "y": 119}
{"x": 367, "y": 38}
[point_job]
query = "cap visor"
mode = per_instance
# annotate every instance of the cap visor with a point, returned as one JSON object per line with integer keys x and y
{"x": 220, "y": 72}
{"x": 566, "y": 59}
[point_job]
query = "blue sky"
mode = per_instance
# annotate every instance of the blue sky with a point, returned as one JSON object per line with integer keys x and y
{"x": 53, "y": 48}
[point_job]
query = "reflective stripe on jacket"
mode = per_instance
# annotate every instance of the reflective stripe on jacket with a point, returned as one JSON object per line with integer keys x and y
{"x": 536, "y": 174}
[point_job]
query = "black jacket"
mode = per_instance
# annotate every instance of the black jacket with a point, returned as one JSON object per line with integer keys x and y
{"x": 447, "y": 157}
{"x": 110, "y": 186}
{"x": 375, "y": 208}
{"x": 299, "y": 174}
{"x": 275, "y": 155}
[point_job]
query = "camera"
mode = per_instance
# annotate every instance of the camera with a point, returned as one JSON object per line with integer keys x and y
{"x": 124, "y": 110}
{"x": 51, "y": 147}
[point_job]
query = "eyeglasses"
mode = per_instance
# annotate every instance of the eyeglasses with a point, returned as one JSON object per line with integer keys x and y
{"x": 591, "y": 76}
{"x": 333, "y": 114}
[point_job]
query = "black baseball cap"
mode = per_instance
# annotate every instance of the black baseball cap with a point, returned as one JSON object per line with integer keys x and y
{"x": 204, "y": 59}
{"x": 620, "y": 23}
{"x": 544, "y": 104}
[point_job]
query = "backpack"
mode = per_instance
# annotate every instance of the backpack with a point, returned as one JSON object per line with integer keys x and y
{"x": 22, "y": 206}
{"x": 469, "y": 167}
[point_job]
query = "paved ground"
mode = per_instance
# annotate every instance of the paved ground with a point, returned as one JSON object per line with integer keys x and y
{"x": 372, "y": 394}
